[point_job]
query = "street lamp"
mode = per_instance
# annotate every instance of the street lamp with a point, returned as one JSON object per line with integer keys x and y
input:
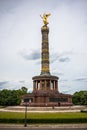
{"x": 25, "y": 122}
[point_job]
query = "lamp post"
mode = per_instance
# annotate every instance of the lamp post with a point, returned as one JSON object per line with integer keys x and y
{"x": 25, "y": 122}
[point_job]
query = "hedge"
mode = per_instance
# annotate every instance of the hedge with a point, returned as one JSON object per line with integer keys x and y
{"x": 45, "y": 121}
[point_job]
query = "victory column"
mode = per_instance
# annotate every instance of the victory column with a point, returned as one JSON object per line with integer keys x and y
{"x": 45, "y": 86}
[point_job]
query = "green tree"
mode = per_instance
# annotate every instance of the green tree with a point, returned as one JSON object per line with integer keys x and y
{"x": 11, "y": 97}
{"x": 21, "y": 92}
{"x": 80, "y": 98}
{"x": 24, "y": 90}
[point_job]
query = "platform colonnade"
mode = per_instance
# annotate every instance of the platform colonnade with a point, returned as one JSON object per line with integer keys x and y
{"x": 45, "y": 85}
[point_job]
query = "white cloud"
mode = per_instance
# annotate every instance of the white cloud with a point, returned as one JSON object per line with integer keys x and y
{"x": 20, "y": 29}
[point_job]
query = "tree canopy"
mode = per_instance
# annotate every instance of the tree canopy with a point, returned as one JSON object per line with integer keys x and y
{"x": 11, "y": 97}
{"x": 80, "y": 98}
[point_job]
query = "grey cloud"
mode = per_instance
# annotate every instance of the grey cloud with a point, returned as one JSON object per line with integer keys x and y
{"x": 38, "y": 62}
{"x": 33, "y": 55}
{"x": 65, "y": 91}
{"x": 3, "y": 83}
{"x": 81, "y": 79}
{"x": 63, "y": 57}
{"x": 59, "y": 58}
{"x": 36, "y": 55}
{"x": 56, "y": 73}
{"x": 60, "y": 73}
{"x": 54, "y": 58}
{"x": 22, "y": 81}
{"x": 63, "y": 80}
{"x": 8, "y": 6}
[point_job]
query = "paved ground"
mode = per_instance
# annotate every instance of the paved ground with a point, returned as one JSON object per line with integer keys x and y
{"x": 49, "y": 126}
{"x": 43, "y": 128}
{"x": 44, "y": 109}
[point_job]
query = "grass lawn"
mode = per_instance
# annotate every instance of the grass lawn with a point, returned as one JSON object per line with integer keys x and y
{"x": 42, "y": 115}
{"x": 46, "y": 117}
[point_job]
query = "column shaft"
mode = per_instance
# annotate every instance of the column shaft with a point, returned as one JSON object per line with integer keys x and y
{"x": 45, "y": 51}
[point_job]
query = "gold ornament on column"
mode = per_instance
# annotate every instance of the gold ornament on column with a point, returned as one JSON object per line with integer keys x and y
{"x": 45, "y": 17}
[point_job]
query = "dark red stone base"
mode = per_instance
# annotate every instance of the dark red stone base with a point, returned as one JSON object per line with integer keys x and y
{"x": 46, "y": 99}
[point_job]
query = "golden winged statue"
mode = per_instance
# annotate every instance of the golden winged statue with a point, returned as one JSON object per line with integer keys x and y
{"x": 44, "y": 17}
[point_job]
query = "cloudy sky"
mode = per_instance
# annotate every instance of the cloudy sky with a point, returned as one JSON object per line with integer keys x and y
{"x": 20, "y": 42}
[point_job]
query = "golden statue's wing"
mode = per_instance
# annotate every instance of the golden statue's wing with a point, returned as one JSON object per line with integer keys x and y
{"x": 48, "y": 15}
